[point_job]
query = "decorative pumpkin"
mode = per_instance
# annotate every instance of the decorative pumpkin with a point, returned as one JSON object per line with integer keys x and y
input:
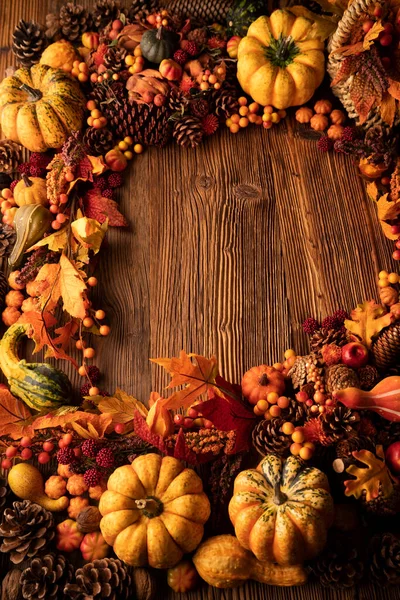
{"x": 55, "y": 487}
{"x": 40, "y": 107}
{"x": 319, "y": 122}
{"x": 30, "y": 190}
{"x": 304, "y": 114}
{"x": 323, "y": 107}
{"x": 68, "y": 537}
{"x": 76, "y": 505}
{"x": 183, "y": 577}
{"x": 170, "y": 69}
{"x": 223, "y": 563}
{"x": 76, "y": 485}
{"x": 94, "y": 547}
{"x": 96, "y": 491}
{"x": 10, "y": 315}
{"x": 337, "y": 117}
{"x": 26, "y": 481}
{"x": 335, "y": 132}
{"x": 30, "y": 223}
{"x": 259, "y": 381}
{"x": 14, "y": 298}
{"x": 91, "y": 40}
{"x": 157, "y": 44}
{"x": 89, "y": 519}
{"x": 279, "y": 62}
{"x": 282, "y": 510}
{"x": 39, "y": 385}
{"x": 153, "y": 511}
{"x": 384, "y": 398}
{"x": 64, "y": 471}
{"x": 60, "y": 55}
{"x": 116, "y": 160}
{"x": 233, "y": 45}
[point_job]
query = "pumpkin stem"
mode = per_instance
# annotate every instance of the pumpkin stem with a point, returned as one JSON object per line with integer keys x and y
{"x": 151, "y": 506}
{"x": 34, "y": 94}
{"x": 279, "y": 496}
{"x": 27, "y": 181}
{"x": 159, "y": 34}
{"x": 263, "y": 379}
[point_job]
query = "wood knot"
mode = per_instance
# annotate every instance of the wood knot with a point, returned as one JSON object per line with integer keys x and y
{"x": 247, "y": 191}
{"x": 205, "y": 181}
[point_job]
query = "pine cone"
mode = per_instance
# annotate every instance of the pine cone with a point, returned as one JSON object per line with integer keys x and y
{"x": 46, "y": 577}
{"x": 188, "y": 131}
{"x": 339, "y": 566}
{"x": 204, "y": 11}
{"x": 345, "y": 448}
{"x": 323, "y": 337}
{"x": 177, "y": 101}
{"x": 224, "y": 103}
{"x": 98, "y": 141}
{"x": 10, "y": 156}
{"x": 198, "y": 35}
{"x": 340, "y": 377}
{"x": 105, "y": 93}
{"x": 8, "y": 238}
{"x": 268, "y": 437}
{"x": 74, "y": 20}
{"x": 140, "y": 9}
{"x": 368, "y": 377}
{"x": 29, "y": 41}
{"x": 338, "y": 423}
{"x": 26, "y": 529}
{"x": 383, "y": 505}
{"x": 53, "y": 29}
{"x": 384, "y": 563}
{"x": 3, "y": 490}
{"x": 298, "y": 373}
{"x": 114, "y": 59}
{"x": 296, "y": 412}
{"x": 199, "y": 107}
{"x": 386, "y": 349}
{"x": 106, "y": 11}
{"x": 107, "y": 578}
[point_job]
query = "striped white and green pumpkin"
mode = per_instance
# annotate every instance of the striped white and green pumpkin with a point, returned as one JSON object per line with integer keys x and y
{"x": 282, "y": 510}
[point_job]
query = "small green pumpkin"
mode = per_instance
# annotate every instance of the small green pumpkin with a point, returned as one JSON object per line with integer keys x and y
{"x": 39, "y": 385}
{"x": 158, "y": 44}
{"x": 31, "y": 221}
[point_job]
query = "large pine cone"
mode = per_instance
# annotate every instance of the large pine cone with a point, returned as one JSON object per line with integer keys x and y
{"x": 146, "y": 124}
{"x": 269, "y": 439}
{"x": 107, "y": 578}
{"x": 322, "y": 337}
{"x": 106, "y": 11}
{"x": 368, "y": 377}
{"x": 338, "y": 423}
{"x": 204, "y": 11}
{"x": 10, "y": 156}
{"x": 340, "y": 377}
{"x": 386, "y": 349}
{"x": 46, "y": 577}
{"x": 339, "y": 566}
{"x": 26, "y": 529}
{"x": 384, "y": 564}
{"x": 74, "y": 21}
{"x": 188, "y": 131}
{"x": 29, "y": 41}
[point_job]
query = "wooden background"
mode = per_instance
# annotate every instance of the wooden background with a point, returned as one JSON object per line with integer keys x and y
{"x": 231, "y": 246}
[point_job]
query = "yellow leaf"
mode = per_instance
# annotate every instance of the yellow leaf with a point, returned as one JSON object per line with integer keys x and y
{"x": 368, "y": 319}
{"x": 372, "y": 190}
{"x": 89, "y": 233}
{"x": 98, "y": 164}
{"x": 72, "y": 289}
{"x": 372, "y": 34}
{"x": 387, "y": 211}
{"x": 374, "y": 480}
{"x": 56, "y": 241}
{"x": 50, "y": 288}
{"x": 96, "y": 426}
{"x": 388, "y": 108}
{"x": 394, "y": 88}
{"x": 122, "y": 407}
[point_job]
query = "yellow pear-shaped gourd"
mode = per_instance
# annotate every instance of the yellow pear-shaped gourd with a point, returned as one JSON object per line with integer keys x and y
{"x": 26, "y": 481}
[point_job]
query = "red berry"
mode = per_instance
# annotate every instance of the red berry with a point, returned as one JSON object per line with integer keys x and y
{"x": 385, "y": 181}
{"x": 117, "y": 24}
{"x": 119, "y": 427}
{"x": 208, "y": 424}
{"x": 387, "y": 63}
{"x": 77, "y": 452}
{"x": 6, "y": 464}
{"x": 43, "y": 458}
{"x": 395, "y": 229}
{"x": 367, "y": 25}
{"x": 48, "y": 446}
{"x": 178, "y": 419}
{"x": 187, "y": 422}
{"x": 26, "y": 454}
{"x": 378, "y": 11}
{"x": 11, "y": 451}
{"x": 25, "y": 442}
{"x": 67, "y": 439}
{"x": 386, "y": 40}
{"x": 388, "y": 28}
{"x": 61, "y": 444}
{"x": 397, "y": 244}
{"x": 396, "y": 255}
{"x": 192, "y": 412}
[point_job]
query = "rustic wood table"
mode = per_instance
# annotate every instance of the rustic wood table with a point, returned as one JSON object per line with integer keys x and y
{"x": 231, "y": 246}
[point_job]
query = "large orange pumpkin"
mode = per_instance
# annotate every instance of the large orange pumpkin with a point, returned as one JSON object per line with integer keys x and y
{"x": 153, "y": 511}
{"x": 281, "y": 511}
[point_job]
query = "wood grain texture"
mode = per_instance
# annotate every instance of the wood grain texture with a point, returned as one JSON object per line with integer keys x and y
{"x": 231, "y": 246}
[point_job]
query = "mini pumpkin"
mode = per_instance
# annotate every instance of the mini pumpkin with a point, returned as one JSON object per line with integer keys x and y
{"x": 335, "y": 132}
{"x": 94, "y": 546}
{"x": 30, "y": 190}
{"x": 14, "y": 298}
{"x": 259, "y": 381}
{"x": 96, "y": 491}
{"x": 337, "y": 117}
{"x": 319, "y": 122}
{"x": 281, "y": 511}
{"x": 280, "y": 62}
{"x": 304, "y": 114}
{"x": 76, "y": 505}
{"x": 323, "y": 107}
{"x": 55, "y": 487}
{"x": 64, "y": 470}
{"x": 68, "y": 537}
{"x": 76, "y": 485}
{"x": 183, "y": 577}
{"x": 154, "y": 511}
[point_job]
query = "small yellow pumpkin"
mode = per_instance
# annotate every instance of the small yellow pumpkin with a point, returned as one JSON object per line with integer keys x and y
{"x": 59, "y": 55}
{"x": 30, "y": 190}
{"x": 280, "y": 62}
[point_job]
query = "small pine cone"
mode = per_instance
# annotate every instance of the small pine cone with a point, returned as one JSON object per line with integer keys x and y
{"x": 384, "y": 559}
{"x": 386, "y": 348}
{"x": 10, "y": 156}
{"x": 225, "y": 103}
{"x": 3, "y": 493}
{"x": 26, "y": 529}
{"x": 107, "y": 578}
{"x": 199, "y": 107}
{"x": 198, "y": 35}
{"x": 8, "y": 238}
{"x": 139, "y": 10}
{"x": 340, "y": 377}
{"x": 298, "y": 372}
{"x": 106, "y": 11}
{"x": 268, "y": 437}
{"x": 322, "y": 337}
{"x": 338, "y": 422}
{"x": 368, "y": 376}
{"x": 53, "y": 30}
{"x": 177, "y": 101}
{"x": 188, "y": 131}
{"x": 98, "y": 141}
{"x": 74, "y": 21}
{"x": 297, "y": 412}
{"x": 114, "y": 59}
{"x": 147, "y": 125}
{"x": 46, "y": 577}
{"x": 29, "y": 41}
{"x": 339, "y": 566}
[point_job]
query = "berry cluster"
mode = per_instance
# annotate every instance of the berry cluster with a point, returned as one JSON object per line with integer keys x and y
{"x": 192, "y": 419}
{"x": 80, "y": 71}
{"x": 135, "y": 61}
{"x": 251, "y": 114}
{"x": 96, "y": 119}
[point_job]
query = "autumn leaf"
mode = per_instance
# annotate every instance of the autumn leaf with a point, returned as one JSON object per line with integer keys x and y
{"x": 122, "y": 407}
{"x": 96, "y": 426}
{"x": 349, "y": 50}
{"x": 197, "y": 378}
{"x": 142, "y": 430}
{"x": 72, "y": 289}
{"x": 56, "y": 241}
{"x": 394, "y": 88}
{"x": 50, "y": 289}
{"x": 39, "y": 323}
{"x": 89, "y": 232}
{"x": 372, "y": 34}
{"x": 387, "y": 211}
{"x": 60, "y": 418}
{"x": 374, "y": 479}
{"x": 388, "y": 108}
{"x": 372, "y": 190}
{"x": 65, "y": 334}
{"x": 100, "y": 208}
{"x": 98, "y": 164}
{"x": 13, "y": 414}
{"x": 367, "y": 320}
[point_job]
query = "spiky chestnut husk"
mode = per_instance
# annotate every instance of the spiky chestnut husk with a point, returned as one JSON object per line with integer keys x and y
{"x": 92, "y": 477}
{"x": 310, "y": 326}
{"x": 331, "y": 354}
{"x": 105, "y": 458}
{"x": 210, "y": 124}
{"x": 65, "y": 456}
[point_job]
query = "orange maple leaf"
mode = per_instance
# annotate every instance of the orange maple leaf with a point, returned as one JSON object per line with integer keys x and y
{"x": 53, "y": 419}
{"x": 39, "y": 323}
{"x": 50, "y": 289}
{"x": 13, "y": 416}
{"x": 197, "y": 378}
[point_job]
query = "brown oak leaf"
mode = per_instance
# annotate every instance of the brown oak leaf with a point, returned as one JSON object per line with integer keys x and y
{"x": 122, "y": 407}
{"x": 373, "y": 479}
{"x": 367, "y": 320}
{"x": 39, "y": 323}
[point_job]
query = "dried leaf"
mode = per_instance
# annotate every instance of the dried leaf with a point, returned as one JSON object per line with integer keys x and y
{"x": 122, "y": 407}
{"x": 368, "y": 319}
{"x": 98, "y": 164}
{"x": 394, "y": 88}
{"x": 72, "y": 289}
{"x": 13, "y": 414}
{"x": 349, "y": 50}
{"x": 56, "y": 241}
{"x": 39, "y": 323}
{"x": 372, "y": 190}
{"x": 372, "y": 34}
{"x": 142, "y": 430}
{"x": 89, "y": 232}
{"x": 374, "y": 479}
{"x": 100, "y": 208}
{"x": 388, "y": 108}
{"x": 60, "y": 418}
{"x": 197, "y": 378}
{"x": 96, "y": 426}
{"x": 65, "y": 334}
{"x": 387, "y": 211}
{"x": 50, "y": 290}
{"x": 336, "y": 7}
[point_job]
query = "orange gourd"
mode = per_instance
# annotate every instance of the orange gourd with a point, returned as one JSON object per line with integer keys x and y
{"x": 76, "y": 505}
{"x": 384, "y": 398}
{"x": 259, "y": 381}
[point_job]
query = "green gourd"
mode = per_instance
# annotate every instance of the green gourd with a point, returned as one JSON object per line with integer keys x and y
{"x": 31, "y": 223}
{"x": 158, "y": 44}
{"x": 39, "y": 385}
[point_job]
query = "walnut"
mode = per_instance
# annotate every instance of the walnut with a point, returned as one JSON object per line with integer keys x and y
{"x": 88, "y": 519}
{"x": 145, "y": 584}
{"x": 389, "y": 295}
{"x": 319, "y": 122}
{"x": 304, "y": 114}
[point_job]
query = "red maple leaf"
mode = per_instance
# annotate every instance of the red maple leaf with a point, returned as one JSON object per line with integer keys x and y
{"x": 100, "y": 208}
{"x": 143, "y": 431}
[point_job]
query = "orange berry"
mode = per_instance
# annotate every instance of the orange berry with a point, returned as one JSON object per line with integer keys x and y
{"x": 278, "y": 366}
{"x": 234, "y": 128}
{"x": 104, "y": 330}
{"x": 89, "y": 121}
{"x": 305, "y": 453}
{"x": 243, "y": 122}
{"x": 268, "y": 109}
{"x": 289, "y": 353}
{"x": 295, "y": 449}
{"x": 212, "y": 79}
{"x": 123, "y": 146}
{"x": 298, "y": 436}
{"x": 75, "y": 72}
{"x": 283, "y": 402}
{"x": 242, "y": 101}
{"x": 319, "y": 397}
{"x": 137, "y": 51}
{"x": 253, "y": 118}
{"x": 82, "y": 77}
{"x": 287, "y": 428}
{"x": 6, "y": 193}
{"x": 93, "y": 77}
{"x": 272, "y": 397}
{"x": 94, "y": 391}
{"x": 266, "y": 118}
{"x": 254, "y": 107}
{"x": 259, "y": 120}
{"x": 80, "y": 345}
{"x": 138, "y": 148}
{"x": 100, "y": 315}
{"x": 128, "y": 155}
{"x": 96, "y": 113}
{"x": 243, "y": 110}
{"x": 89, "y": 352}
{"x": 88, "y": 322}
{"x": 92, "y": 281}
{"x": 75, "y": 63}
{"x": 97, "y": 124}
{"x": 91, "y": 105}
{"x": 83, "y": 67}
{"x": 100, "y": 79}
{"x": 235, "y": 118}
{"x": 204, "y": 86}
{"x": 82, "y": 371}
{"x": 282, "y": 113}
{"x": 275, "y": 411}
{"x": 257, "y": 411}
{"x": 128, "y": 140}
{"x": 309, "y": 445}
{"x": 262, "y": 405}
{"x": 275, "y": 118}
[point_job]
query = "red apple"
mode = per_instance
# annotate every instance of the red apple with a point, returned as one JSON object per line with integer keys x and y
{"x": 393, "y": 457}
{"x": 354, "y": 355}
